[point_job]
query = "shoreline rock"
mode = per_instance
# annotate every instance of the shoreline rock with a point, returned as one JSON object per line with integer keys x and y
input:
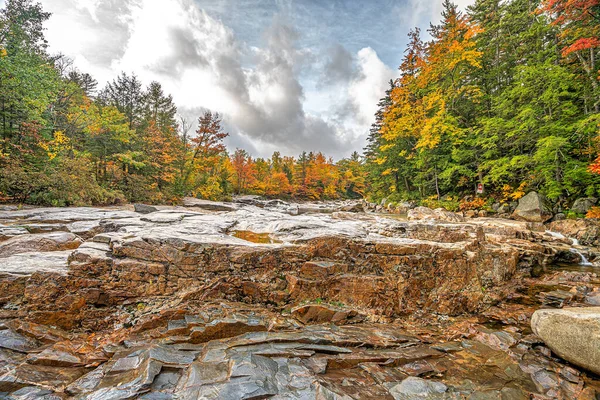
{"x": 571, "y": 333}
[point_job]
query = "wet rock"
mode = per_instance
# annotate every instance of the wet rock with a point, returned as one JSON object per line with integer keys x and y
{"x": 16, "y": 342}
{"x": 33, "y": 393}
{"x": 556, "y": 298}
{"x": 39, "y": 243}
{"x": 572, "y": 333}
{"x": 533, "y": 207}
{"x": 583, "y": 205}
{"x": 144, "y": 208}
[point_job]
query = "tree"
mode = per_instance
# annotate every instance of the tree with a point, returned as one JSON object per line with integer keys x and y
{"x": 205, "y": 156}
{"x": 125, "y": 93}
{"x": 245, "y": 170}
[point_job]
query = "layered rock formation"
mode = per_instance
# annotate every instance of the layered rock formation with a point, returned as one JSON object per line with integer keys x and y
{"x": 239, "y": 301}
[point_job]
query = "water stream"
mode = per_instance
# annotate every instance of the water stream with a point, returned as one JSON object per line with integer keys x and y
{"x": 575, "y": 243}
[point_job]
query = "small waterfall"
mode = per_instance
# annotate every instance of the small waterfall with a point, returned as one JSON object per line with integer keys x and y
{"x": 575, "y": 243}
{"x": 584, "y": 260}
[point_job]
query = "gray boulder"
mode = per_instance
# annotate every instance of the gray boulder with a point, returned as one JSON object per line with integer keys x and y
{"x": 533, "y": 208}
{"x": 560, "y": 217}
{"x": 144, "y": 208}
{"x": 583, "y": 205}
{"x": 571, "y": 333}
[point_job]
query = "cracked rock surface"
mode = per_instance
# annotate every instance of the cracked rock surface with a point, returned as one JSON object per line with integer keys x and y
{"x": 258, "y": 299}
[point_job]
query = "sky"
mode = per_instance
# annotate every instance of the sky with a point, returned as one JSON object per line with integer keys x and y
{"x": 286, "y": 75}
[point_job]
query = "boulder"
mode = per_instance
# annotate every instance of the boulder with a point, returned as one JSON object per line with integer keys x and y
{"x": 504, "y": 209}
{"x": 144, "y": 208}
{"x": 583, "y": 205}
{"x": 560, "y": 217}
{"x": 571, "y": 333}
{"x": 533, "y": 208}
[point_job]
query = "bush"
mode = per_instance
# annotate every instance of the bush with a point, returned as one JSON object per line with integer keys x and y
{"x": 69, "y": 183}
{"x": 447, "y": 203}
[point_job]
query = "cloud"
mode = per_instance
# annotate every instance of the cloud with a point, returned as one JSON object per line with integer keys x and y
{"x": 275, "y": 93}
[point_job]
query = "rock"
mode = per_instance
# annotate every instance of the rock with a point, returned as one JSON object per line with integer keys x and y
{"x": 583, "y": 205}
{"x": 424, "y": 213}
{"x": 470, "y": 214}
{"x": 504, "y": 209}
{"x": 321, "y": 269}
{"x": 555, "y": 298}
{"x": 43, "y": 242}
{"x": 144, "y": 208}
{"x": 208, "y": 205}
{"x": 227, "y": 327}
{"x": 318, "y": 314}
{"x": 593, "y": 298}
{"x": 585, "y": 231}
{"x": 533, "y": 208}
{"x": 355, "y": 208}
{"x": 282, "y": 206}
{"x": 6, "y": 232}
{"x": 560, "y": 217}
{"x": 33, "y": 393}
{"x": 16, "y": 342}
{"x": 571, "y": 333}
{"x": 175, "y": 304}
{"x": 26, "y": 264}
{"x": 416, "y": 388}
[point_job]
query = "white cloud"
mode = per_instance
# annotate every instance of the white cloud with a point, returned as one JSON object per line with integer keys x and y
{"x": 272, "y": 95}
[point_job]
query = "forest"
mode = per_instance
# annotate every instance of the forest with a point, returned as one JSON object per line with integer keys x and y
{"x": 67, "y": 142}
{"x": 505, "y": 95}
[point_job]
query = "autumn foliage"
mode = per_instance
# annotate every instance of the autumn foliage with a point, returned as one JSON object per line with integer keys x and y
{"x": 503, "y": 94}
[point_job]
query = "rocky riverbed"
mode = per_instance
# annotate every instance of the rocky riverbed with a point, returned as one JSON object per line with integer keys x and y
{"x": 266, "y": 299}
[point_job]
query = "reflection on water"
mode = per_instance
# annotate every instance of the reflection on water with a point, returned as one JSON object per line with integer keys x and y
{"x": 249, "y": 236}
{"x": 571, "y": 267}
